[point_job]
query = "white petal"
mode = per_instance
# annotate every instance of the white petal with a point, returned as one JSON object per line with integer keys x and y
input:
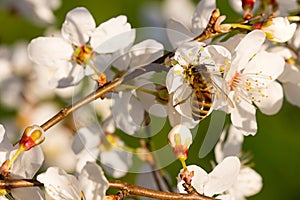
{"x": 116, "y": 162}
{"x": 176, "y": 118}
{"x": 266, "y": 65}
{"x": 232, "y": 146}
{"x": 93, "y": 182}
{"x": 202, "y": 15}
{"x": 249, "y": 182}
{"x": 50, "y": 51}
{"x": 174, "y": 78}
{"x": 273, "y": 103}
{"x": 178, "y": 33}
{"x": 290, "y": 74}
{"x": 112, "y": 35}
{"x": 128, "y": 112}
{"x": 28, "y": 163}
{"x": 198, "y": 181}
{"x": 60, "y": 185}
{"x": 248, "y": 46}
{"x": 78, "y": 26}
{"x": 66, "y": 76}
{"x": 86, "y": 138}
{"x": 33, "y": 193}
{"x": 292, "y": 93}
{"x": 145, "y": 52}
{"x": 223, "y": 176}
{"x": 243, "y": 117}
{"x": 186, "y": 137}
{"x": 5, "y": 144}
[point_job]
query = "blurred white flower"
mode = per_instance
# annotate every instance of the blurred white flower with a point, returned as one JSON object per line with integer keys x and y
{"x": 251, "y": 79}
{"x": 90, "y": 183}
{"x": 137, "y": 95}
{"x": 75, "y": 53}
{"x": 90, "y": 144}
{"x": 25, "y": 166}
{"x": 179, "y": 10}
{"x": 277, "y": 29}
{"x": 249, "y": 182}
{"x": 290, "y": 78}
{"x": 39, "y": 12}
{"x": 179, "y": 33}
{"x": 219, "y": 180}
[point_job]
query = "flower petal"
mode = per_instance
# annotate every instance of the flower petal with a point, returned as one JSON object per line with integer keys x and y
{"x": 265, "y": 67}
{"x": 116, "y": 162}
{"x": 145, "y": 52}
{"x": 67, "y": 76}
{"x": 28, "y": 163}
{"x": 112, "y": 35}
{"x": 60, "y": 185}
{"x": 223, "y": 176}
{"x": 178, "y": 33}
{"x": 78, "y": 26}
{"x": 174, "y": 78}
{"x": 292, "y": 93}
{"x": 93, "y": 182}
{"x": 199, "y": 179}
{"x": 243, "y": 117}
{"x": 248, "y": 47}
{"x": 273, "y": 103}
{"x": 202, "y": 15}
{"x": 50, "y": 51}
{"x": 249, "y": 182}
{"x": 231, "y": 147}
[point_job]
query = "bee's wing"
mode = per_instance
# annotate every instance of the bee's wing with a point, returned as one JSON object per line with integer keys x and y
{"x": 220, "y": 91}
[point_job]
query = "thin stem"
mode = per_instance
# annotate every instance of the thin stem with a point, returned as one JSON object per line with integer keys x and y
{"x": 242, "y": 26}
{"x": 12, "y": 160}
{"x": 91, "y": 97}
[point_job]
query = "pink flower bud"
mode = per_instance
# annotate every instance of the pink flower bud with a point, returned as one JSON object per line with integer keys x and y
{"x": 248, "y": 4}
{"x": 32, "y": 136}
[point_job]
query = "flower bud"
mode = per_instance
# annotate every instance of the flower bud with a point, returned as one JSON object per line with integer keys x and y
{"x": 180, "y": 139}
{"x": 32, "y": 136}
{"x": 248, "y": 4}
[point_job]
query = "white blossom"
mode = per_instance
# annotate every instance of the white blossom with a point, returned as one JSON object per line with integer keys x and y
{"x": 75, "y": 53}
{"x": 251, "y": 79}
{"x": 90, "y": 184}
{"x": 220, "y": 179}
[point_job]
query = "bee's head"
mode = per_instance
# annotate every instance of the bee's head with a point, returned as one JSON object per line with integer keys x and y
{"x": 198, "y": 68}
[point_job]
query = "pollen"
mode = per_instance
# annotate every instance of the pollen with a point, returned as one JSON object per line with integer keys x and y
{"x": 82, "y": 54}
{"x": 190, "y": 54}
{"x": 270, "y": 77}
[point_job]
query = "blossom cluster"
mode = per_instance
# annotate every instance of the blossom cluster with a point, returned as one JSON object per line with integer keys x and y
{"x": 234, "y": 73}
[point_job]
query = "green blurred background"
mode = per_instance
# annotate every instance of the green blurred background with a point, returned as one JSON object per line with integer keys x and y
{"x": 276, "y": 146}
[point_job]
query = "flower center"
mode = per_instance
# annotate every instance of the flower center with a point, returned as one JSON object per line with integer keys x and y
{"x": 82, "y": 54}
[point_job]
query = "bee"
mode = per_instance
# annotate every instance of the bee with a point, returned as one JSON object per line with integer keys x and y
{"x": 204, "y": 90}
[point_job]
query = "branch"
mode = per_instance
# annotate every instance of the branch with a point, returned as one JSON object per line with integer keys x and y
{"x": 141, "y": 191}
{"x": 130, "y": 189}
{"x": 108, "y": 87}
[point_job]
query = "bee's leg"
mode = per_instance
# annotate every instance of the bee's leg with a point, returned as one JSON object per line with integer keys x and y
{"x": 183, "y": 101}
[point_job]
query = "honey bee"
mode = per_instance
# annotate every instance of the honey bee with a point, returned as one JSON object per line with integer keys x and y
{"x": 204, "y": 90}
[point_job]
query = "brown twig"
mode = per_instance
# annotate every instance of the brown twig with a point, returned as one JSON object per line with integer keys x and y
{"x": 108, "y": 87}
{"x": 141, "y": 191}
{"x": 129, "y": 189}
